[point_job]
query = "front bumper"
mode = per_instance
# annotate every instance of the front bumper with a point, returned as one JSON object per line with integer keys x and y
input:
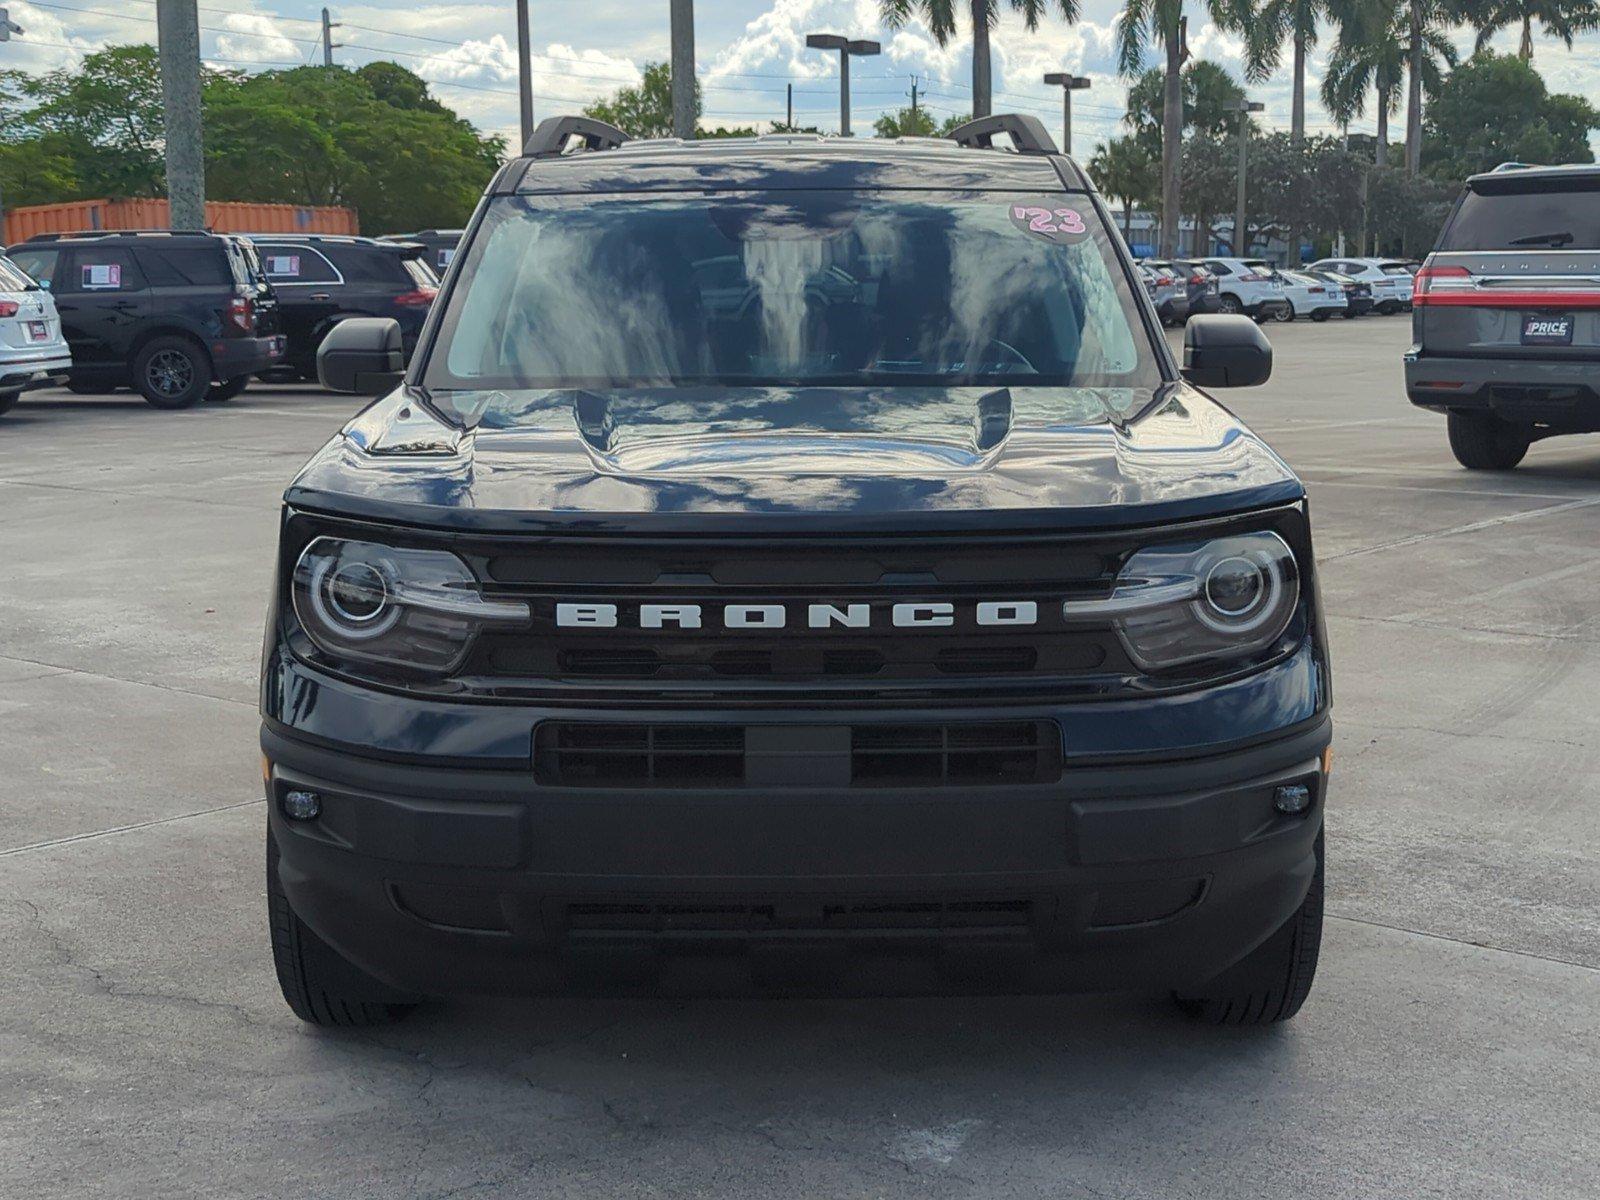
{"x": 1558, "y": 393}
{"x": 25, "y": 374}
{"x": 232, "y": 357}
{"x": 444, "y": 880}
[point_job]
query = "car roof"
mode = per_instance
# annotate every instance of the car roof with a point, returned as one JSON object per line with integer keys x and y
{"x": 326, "y": 239}
{"x": 1524, "y": 177}
{"x": 791, "y": 162}
{"x": 148, "y": 236}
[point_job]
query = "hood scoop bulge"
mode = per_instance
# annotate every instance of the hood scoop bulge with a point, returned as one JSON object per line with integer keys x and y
{"x": 793, "y": 431}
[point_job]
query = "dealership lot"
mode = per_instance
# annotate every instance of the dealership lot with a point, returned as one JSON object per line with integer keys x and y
{"x": 1451, "y": 1047}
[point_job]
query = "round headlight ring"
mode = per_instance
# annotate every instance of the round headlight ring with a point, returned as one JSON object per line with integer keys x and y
{"x": 1266, "y": 587}
{"x": 352, "y": 598}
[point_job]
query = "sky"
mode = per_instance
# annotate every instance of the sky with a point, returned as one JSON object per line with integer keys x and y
{"x": 747, "y": 52}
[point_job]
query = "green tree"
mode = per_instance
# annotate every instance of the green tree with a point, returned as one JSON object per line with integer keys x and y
{"x": 1368, "y": 57}
{"x": 1427, "y": 23}
{"x": 1294, "y": 22}
{"x": 915, "y": 122}
{"x": 1210, "y": 177}
{"x": 37, "y": 170}
{"x": 1407, "y": 211}
{"x": 1164, "y": 21}
{"x": 1563, "y": 19}
{"x": 644, "y": 111}
{"x": 940, "y": 18}
{"x": 1495, "y": 108}
{"x": 106, "y": 114}
{"x": 1126, "y": 170}
{"x": 319, "y": 135}
{"x": 1208, "y": 93}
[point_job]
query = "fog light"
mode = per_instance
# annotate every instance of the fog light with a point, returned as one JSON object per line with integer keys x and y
{"x": 304, "y": 806}
{"x": 1292, "y": 799}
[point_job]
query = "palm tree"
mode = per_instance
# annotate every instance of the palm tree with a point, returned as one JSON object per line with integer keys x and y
{"x": 1557, "y": 18}
{"x": 1139, "y": 23}
{"x": 1373, "y": 52}
{"x": 1426, "y": 21}
{"x": 1277, "y": 22}
{"x": 940, "y": 18}
{"x": 1123, "y": 168}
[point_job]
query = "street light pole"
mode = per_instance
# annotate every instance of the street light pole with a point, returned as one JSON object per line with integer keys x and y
{"x": 524, "y": 70}
{"x": 845, "y": 47}
{"x": 328, "y": 44}
{"x": 1244, "y": 108}
{"x": 683, "y": 114}
{"x": 1068, "y": 83}
{"x": 178, "y": 31}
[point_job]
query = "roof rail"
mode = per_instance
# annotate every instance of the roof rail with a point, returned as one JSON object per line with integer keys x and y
{"x": 109, "y": 233}
{"x": 1027, "y": 133}
{"x": 1512, "y": 166}
{"x": 552, "y": 134}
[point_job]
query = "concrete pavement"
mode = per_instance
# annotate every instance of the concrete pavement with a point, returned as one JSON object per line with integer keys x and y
{"x": 1451, "y": 1047}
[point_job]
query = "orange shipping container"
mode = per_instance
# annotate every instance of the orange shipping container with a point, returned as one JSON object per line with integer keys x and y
{"x": 224, "y": 216}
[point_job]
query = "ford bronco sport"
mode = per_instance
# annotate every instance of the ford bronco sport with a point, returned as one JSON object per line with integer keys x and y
{"x": 794, "y": 564}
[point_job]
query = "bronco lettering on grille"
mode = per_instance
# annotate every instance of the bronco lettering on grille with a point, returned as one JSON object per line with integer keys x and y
{"x": 917, "y": 615}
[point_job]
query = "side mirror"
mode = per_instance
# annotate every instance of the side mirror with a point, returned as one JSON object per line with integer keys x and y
{"x": 364, "y": 355}
{"x": 1226, "y": 351}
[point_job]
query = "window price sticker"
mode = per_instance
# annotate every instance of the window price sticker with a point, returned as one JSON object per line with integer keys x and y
{"x": 102, "y": 276}
{"x": 1049, "y": 222}
{"x": 283, "y": 264}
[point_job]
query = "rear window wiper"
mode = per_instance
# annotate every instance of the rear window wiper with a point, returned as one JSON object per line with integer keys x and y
{"x": 1542, "y": 239}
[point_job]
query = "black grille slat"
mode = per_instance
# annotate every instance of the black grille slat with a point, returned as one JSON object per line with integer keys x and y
{"x": 685, "y": 756}
{"x": 660, "y": 916}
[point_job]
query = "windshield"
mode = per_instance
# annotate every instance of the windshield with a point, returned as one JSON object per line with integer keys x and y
{"x": 789, "y": 289}
{"x": 1534, "y": 220}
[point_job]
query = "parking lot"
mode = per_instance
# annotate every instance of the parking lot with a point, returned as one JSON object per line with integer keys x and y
{"x": 1451, "y": 1047}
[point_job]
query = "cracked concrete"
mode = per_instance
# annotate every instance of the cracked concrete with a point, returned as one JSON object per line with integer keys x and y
{"x": 1450, "y": 1048}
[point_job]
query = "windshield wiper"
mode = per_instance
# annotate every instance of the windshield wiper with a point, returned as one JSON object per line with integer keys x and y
{"x": 1542, "y": 239}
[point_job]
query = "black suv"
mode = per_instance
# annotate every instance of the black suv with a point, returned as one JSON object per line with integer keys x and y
{"x": 794, "y": 563}
{"x": 321, "y": 279}
{"x": 179, "y": 316}
{"x": 1506, "y": 314}
{"x": 441, "y": 244}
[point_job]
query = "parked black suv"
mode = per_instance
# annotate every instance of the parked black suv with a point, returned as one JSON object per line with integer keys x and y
{"x": 1506, "y": 314}
{"x": 441, "y": 244}
{"x": 178, "y": 316}
{"x": 321, "y": 279}
{"x": 794, "y": 563}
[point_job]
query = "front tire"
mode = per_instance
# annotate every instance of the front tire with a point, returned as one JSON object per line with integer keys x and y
{"x": 1482, "y": 442}
{"x": 321, "y": 986}
{"x": 1229, "y": 304}
{"x": 1270, "y": 983}
{"x": 1319, "y": 317}
{"x": 172, "y": 373}
{"x": 1283, "y": 312}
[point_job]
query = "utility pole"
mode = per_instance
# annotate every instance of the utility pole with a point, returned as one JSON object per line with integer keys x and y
{"x": 789, "y": 118}
{"x": 524, "y": 70}
{"x": 328, "y": 44}
{"x": 1068, "y": 83}
{"x": 1244, "y": 108}
{"x": 913, "y": 99}
{"x": 683, "y": 80}
{"x": 845, "y": 47}
{"x": 178, "y": 29}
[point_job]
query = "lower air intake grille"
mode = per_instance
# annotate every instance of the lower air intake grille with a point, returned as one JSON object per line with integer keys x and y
{"x": 671, "y": 755}
{"x": 756, "y": 915}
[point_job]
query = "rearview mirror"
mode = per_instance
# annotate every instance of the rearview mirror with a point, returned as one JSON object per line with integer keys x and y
{"x": 364, "y": 355}
{"x": 1226, "y": 351}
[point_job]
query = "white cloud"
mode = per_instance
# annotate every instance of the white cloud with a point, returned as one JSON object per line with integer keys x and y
{"x": 257, "y": 38}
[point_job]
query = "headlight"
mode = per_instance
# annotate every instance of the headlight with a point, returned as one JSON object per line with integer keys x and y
{"x": 400, "y": 607}
{"x": 1231, "y": 597}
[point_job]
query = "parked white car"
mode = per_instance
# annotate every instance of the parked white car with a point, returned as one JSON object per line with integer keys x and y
{"x": 1247, "y": 285}
{"x": 1390, "y": 279}
{"x": 33, "y": 352}
{"x": 1311, "y": 297}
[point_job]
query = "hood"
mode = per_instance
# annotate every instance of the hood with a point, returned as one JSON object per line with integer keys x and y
{"x": 734, "y": 460}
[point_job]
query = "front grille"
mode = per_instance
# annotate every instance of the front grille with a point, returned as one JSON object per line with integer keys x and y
{"x": 577, "y": 754}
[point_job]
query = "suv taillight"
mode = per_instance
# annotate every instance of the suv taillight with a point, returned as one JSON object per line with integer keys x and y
{"x": 9, "y": 308}
{"x": 420, "y": 298}
{"x": 1252, "y": 277}
{"x": 242, "y": 313}
{"x": 1432, "y": 281}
